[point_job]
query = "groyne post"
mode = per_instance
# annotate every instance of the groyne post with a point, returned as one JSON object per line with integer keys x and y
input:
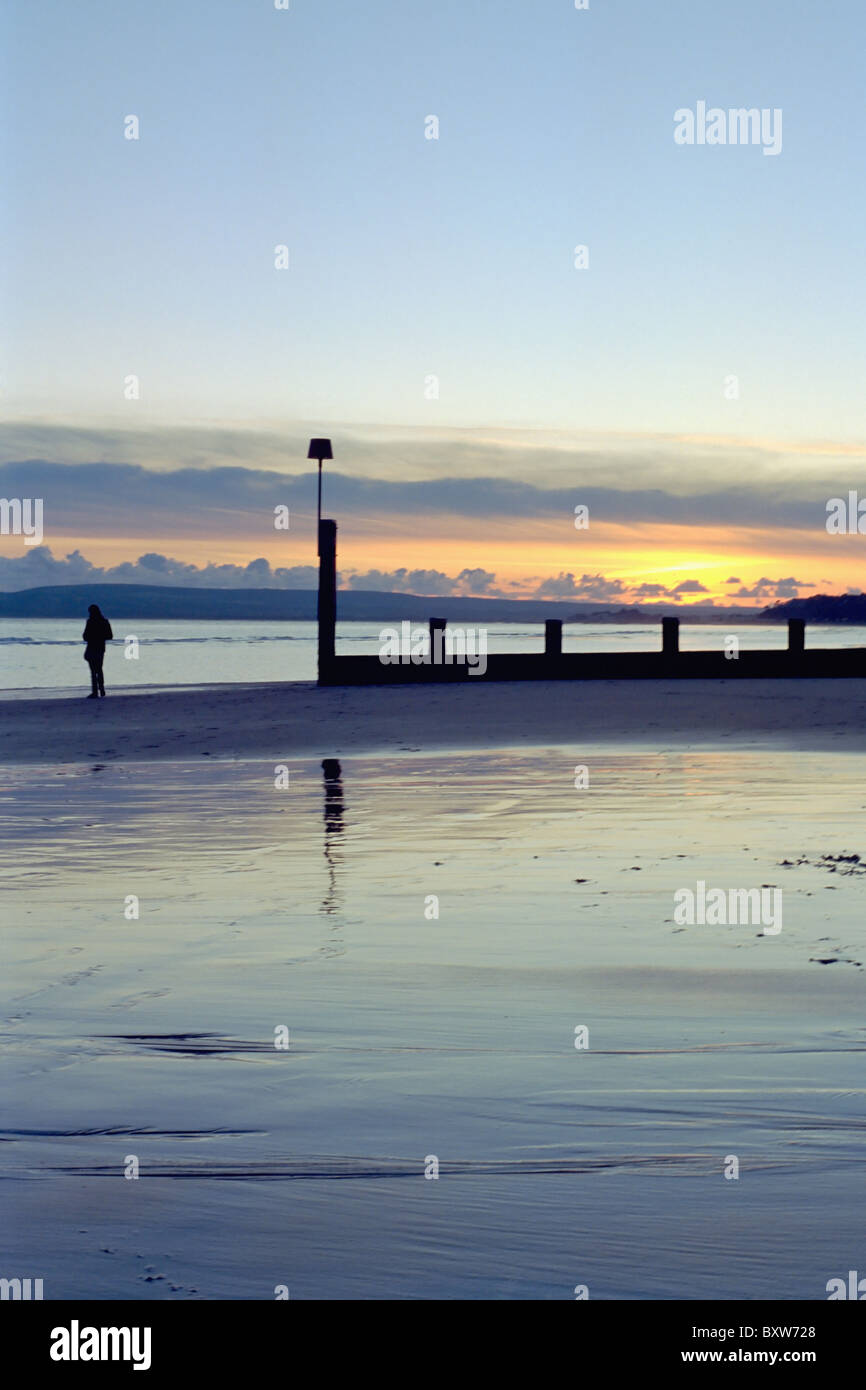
{"x": 327, "y": 605}
{"x": 797, "y": 635}
{"x": 670, "y": 636}
{"x": 553, "y": 637}
{"x": 437, "y": 644}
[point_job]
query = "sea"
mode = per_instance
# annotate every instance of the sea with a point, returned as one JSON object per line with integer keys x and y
{"x": 46, "y": 653}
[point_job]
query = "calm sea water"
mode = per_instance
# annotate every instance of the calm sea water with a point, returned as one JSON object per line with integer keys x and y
{"x": 45, "y": 653}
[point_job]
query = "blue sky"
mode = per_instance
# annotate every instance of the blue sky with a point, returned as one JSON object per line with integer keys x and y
{"x": 412, "y": 258}
{"x": 453, "y": 257}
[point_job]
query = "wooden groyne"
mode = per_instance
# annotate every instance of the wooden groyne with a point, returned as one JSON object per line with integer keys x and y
{"x": 551, "y": 663}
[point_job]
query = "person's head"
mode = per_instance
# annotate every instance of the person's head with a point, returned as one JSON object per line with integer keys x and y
{"x": 93, "y": 610}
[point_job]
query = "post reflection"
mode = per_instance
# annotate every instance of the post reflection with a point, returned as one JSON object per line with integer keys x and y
{"x": 334, "y": 825}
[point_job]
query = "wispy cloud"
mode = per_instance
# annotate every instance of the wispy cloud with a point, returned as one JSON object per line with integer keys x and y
{"x": 98, "y": 499}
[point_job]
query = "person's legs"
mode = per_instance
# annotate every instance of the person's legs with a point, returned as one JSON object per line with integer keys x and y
{"x": 99, "y": 677}
{"x": 94, "y": 682}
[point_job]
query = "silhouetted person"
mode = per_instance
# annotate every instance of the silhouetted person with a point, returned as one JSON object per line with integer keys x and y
{"x": 97, "y": 631}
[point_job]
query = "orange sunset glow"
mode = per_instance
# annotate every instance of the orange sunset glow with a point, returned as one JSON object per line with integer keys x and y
{"x": 522, "y": 554}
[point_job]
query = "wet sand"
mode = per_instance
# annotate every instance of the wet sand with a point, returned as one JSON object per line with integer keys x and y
{"x": 413, "y": 1036}
{"x": 298, "y": 719}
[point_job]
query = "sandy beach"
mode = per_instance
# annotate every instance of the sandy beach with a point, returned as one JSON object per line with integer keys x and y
{"x": 299, "y": 719}
{"x": 429, "y": 927}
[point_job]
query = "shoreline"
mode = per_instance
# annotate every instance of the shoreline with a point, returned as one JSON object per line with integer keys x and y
{"x": 237, "y": 721}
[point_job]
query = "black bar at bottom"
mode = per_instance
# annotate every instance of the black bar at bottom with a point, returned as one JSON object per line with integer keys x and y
{"x": 223, "y": 1338}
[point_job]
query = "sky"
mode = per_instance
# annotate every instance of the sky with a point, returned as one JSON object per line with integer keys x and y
{"x": 694, "y": 376}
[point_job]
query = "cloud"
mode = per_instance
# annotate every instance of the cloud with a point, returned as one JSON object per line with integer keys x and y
{"x": 689, "y": 586}
{"x": 589, "y": 586}
{"x": 598, "y": 586}
{"x": 477, "y": 581}
{"x": 774, "y": 588}
{"x": 650, "y": 591}
{"x": 678, "y": 464}
{"x": 434, "y": 582}
{"x": 117, "y": 498}
{"x": 38, "y": 567}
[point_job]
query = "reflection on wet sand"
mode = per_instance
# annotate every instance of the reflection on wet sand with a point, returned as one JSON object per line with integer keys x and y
{"x": 453, "y": 1037}
{"x": 334, "y": 808}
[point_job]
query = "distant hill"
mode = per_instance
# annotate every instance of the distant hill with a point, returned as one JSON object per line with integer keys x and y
{"x": 821, "y": 608}
{"x": 372, "y": 606}
{"x": 250, "y": 605}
